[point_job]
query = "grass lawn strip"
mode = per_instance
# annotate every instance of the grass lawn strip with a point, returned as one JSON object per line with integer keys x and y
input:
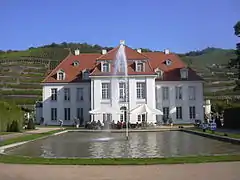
{"x": 231, "y": 135}
{"x": 28, "y": 137}
{"x": 117, "y": 161}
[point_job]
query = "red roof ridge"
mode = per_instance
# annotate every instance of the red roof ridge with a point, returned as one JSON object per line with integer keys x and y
{"x": 108, "y": 52}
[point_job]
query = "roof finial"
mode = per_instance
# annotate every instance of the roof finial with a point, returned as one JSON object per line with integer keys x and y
{"x": 122, "y": 42}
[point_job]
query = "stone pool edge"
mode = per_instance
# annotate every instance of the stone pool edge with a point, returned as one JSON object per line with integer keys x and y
{"x": 5, "y": 147}
{"x": 213, "y": 136}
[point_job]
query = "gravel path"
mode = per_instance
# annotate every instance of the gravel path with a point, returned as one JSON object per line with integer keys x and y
{"x": 209, "y": 171}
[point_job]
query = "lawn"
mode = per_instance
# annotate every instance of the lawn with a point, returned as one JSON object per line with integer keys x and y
{"x": 231, "y": 135}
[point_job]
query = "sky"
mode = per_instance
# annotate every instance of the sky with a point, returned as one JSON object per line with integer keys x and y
{"x": 178, "y": 25}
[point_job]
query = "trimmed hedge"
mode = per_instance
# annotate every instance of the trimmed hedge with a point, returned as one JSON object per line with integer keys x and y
{"x": 22, "y": 86}
{"x": 11, "y": 117}
{"x": 22, "y": 92}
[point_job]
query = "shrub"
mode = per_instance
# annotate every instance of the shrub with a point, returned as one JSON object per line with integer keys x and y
{"x": 14, "y": 126}
{"x": 11, "y": 117}
{"x": 30, "y": 124}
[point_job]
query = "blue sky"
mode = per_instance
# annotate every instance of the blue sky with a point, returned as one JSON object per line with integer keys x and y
{"x": 180, "y": 25}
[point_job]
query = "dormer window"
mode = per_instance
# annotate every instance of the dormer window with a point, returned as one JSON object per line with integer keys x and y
{"x": 75, "y": 63}
{"x": 139, "y": 66}
{"x": 61, "y": 75}
{"x": 184, "y": 73}
{"x": 168, "y": 62}
{"x": 85, "y": 74}
{"x": 159, "y": 73}
{"x": 105, "y": 67}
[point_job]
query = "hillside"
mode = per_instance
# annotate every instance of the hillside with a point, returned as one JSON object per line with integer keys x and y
{"x": 22, "y": 71}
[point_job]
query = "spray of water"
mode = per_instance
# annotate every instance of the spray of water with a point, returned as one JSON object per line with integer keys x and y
{"x": 120, "y": 65}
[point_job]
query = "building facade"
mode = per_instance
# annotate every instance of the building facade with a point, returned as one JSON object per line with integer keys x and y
{"x": 84, "y": 82}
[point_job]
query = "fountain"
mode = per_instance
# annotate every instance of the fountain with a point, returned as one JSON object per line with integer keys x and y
{"x": 121, "y": 73}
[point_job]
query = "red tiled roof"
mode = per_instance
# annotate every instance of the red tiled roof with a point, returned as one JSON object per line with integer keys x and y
{"x": 152, "y": 60}
{"x": 73, "y": 73}
{"x": 171, "y": 72}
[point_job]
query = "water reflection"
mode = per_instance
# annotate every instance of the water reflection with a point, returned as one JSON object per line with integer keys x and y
{"x": 142, "y": 144}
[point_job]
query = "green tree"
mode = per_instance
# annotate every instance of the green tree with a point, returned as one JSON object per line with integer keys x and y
{"x": 237, "y": 33}
{"x": 236, "y": 61}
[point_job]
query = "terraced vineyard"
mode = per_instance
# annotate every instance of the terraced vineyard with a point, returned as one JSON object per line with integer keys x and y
{"x": 20, "y": 79}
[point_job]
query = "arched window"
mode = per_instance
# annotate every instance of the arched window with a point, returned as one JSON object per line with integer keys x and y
{"x": 123, "y": 116}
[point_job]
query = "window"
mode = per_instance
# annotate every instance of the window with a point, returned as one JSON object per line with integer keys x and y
{"x": 107, "y": 117}
{"x": 79, "y": 113}
{"x": 123, "y": 116}
{"x": 67, "y": 94}
{"x": 140, "y": 90}
{"x": 192, "y": 112}
{"x": 166, "y": 112}
{"x": 105, "y": 67}
{"x": 165, "y": 93}
{"x": 67, "y": 114}
{"x": 85, "y": 74}
{"x": 184, "y": 73}
{"x": 53, "y": 114}
{"x": 159, "y": 74}
{"x": 75, "y": 63}
{"x": 168, "y": 62}
{"x": 178, "y": 112}
{"x": 192, "y": 93}
{"x": 122, "y": 89}
{"x": 139, "y": 66}
{"x": 60, "y": 75}
{"x": 105, "y": 90}
{"x": 141, "y": 118}
{"x": 54, "y": 94}
{"x": 178, "y": 93}
{"x": 79, "y": 94}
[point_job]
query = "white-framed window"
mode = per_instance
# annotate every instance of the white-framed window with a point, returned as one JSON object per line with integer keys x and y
{"x": 67, "y": 114}
{"x": 192, "y": 92}
{"x": 166, "y": 112}
{"x": 105, "y": 67}
{"x": 53, "y": 114}
{"x": 67, "y": 94}
{"x": 178, "y": 112}
{"x": 122, "y": 89}
{"x": 54, "y": 94}
{"x": 139, "y": 66}
{"x": 165, "y": 93}
{"x": 178, "y": 90}
{"x": 141, "y": 90}
{"x": 192, "y": 112}
{"x": 141, "y": 118}
{"x": 159, "y": 74}
{"x": 79, "y": 94}
{"x": 61, "y": 75}
{"x": 106, "y": 90}
{"x": 107, "y": 117}
{"x": 79, "y": 114}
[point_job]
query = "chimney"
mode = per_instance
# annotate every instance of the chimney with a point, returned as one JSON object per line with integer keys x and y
{"x": 122, "y": 42}
{"x": 77, "y": 52}
{"x": 139, "y": 50}
{"x": 166, "y": 51}
{"x": 104, "y": 51}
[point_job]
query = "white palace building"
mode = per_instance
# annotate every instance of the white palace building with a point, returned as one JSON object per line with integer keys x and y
{"x": 83, "y": 82}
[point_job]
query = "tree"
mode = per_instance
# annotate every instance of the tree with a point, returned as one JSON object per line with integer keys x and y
{"x": 237, "y": 29}
{"x": 236, "y": 62}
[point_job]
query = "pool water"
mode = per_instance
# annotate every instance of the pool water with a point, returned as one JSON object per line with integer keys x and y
{"x": 114, "y": 145}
